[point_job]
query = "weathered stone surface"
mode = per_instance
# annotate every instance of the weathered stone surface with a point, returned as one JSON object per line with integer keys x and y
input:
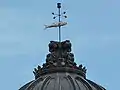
{"x": 60, "y": 58}
{"x": 62, "y": 81}
{"x": 60, "y": 72}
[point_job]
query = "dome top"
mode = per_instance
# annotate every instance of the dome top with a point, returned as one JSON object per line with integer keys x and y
{"x": 60, "y": 72}
{"x": 60, "y": 59}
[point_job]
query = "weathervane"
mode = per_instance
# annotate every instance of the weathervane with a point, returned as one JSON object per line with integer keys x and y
{"x": 59, "y": 23}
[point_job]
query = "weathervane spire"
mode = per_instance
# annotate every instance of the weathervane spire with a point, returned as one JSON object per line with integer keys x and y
{"x": 59, "y": 23}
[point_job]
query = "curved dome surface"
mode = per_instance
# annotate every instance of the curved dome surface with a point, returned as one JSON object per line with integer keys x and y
{"x": 60, "y": 72}
{"x": 62, "y": 81}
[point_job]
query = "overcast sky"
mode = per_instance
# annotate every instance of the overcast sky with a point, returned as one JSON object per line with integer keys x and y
{"x": 93, "y": 28}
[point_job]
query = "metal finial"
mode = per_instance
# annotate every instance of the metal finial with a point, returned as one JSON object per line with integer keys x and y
{"x": 59, "y": 15}
{"x": 58, "y": 5}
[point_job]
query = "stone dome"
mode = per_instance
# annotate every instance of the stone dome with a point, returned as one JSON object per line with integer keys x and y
{"x": 60, "y": 72}
{"x": 62, "y": 81}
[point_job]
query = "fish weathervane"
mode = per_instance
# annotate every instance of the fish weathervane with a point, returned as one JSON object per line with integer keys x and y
{"x": 59, "y": 23}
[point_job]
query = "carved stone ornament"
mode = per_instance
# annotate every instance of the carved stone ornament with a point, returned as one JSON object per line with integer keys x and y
{"x": 60, "y": 59}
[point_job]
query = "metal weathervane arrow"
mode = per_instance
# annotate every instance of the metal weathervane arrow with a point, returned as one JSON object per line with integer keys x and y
{"x": 59, "y": 23}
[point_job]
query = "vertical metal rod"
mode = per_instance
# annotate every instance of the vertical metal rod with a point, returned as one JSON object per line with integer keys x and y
{"x": 59, "y": 27}
{"x": 59, "y": 14}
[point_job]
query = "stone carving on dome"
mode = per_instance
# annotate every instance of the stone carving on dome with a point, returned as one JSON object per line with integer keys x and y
{"x": 60, "y": 58}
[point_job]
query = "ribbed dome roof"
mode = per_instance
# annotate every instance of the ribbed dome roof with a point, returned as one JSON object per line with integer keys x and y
{"x": 62, "y": 81}
{"x": 60, "y": 72}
